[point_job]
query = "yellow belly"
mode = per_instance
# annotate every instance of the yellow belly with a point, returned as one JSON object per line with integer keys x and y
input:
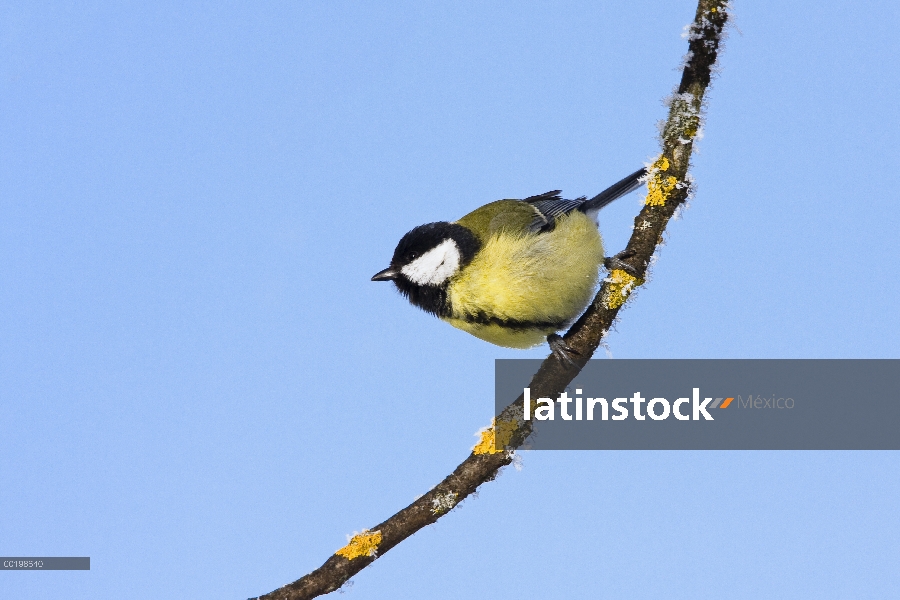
{"x": 528, "y": 278}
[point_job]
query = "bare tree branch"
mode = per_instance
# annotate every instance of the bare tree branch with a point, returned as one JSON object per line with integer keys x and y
{"x": 668, "y": 187}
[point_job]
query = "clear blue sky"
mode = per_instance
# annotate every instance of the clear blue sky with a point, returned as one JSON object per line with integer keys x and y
{"x": 202, "y": 390}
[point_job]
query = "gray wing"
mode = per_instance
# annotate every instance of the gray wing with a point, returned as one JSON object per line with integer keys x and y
{"x": 549, "y": 206}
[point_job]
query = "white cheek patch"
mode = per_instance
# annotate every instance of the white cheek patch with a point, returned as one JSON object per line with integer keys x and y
{"x": 435, "y": 266}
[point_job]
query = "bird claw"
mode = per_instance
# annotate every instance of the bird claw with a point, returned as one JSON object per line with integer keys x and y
{"x": 561, "y": 350}
{"x": 616, "y": 262}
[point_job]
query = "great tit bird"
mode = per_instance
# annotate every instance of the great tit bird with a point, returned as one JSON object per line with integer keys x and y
{"x": 513, "y": 272}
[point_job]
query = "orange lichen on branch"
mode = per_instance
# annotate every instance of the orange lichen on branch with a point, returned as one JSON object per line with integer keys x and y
{"x": 659, "y": 185}
{"x": 364, "y": 543}
{"x": 495, "y": 439}
{"x": 621, "y": 284}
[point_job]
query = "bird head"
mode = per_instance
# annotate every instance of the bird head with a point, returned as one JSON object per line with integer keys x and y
{"x": 426, "y": 259}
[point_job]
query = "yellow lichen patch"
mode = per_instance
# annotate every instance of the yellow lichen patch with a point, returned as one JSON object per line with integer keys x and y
{"x": 659, "y": 185}
{"x": 505, "y": 431}
{"x": 691, "y": 126}
{"x": 495, "y": 438}
{"x": 621, "y": 284}
{"x": 361, "y": 544}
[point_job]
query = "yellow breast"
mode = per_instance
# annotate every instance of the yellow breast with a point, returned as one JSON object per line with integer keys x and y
{"x": 522, "y": 287}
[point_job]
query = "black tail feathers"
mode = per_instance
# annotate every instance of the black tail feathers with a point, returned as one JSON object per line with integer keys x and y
{"x": 615, "y": 191}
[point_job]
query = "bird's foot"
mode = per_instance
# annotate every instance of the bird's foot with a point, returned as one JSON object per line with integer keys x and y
{"x": 561, "y": 350}
{"x": 616, "y": 262}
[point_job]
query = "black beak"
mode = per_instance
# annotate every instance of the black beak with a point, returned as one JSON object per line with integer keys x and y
{"x": 388, "y": 274}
